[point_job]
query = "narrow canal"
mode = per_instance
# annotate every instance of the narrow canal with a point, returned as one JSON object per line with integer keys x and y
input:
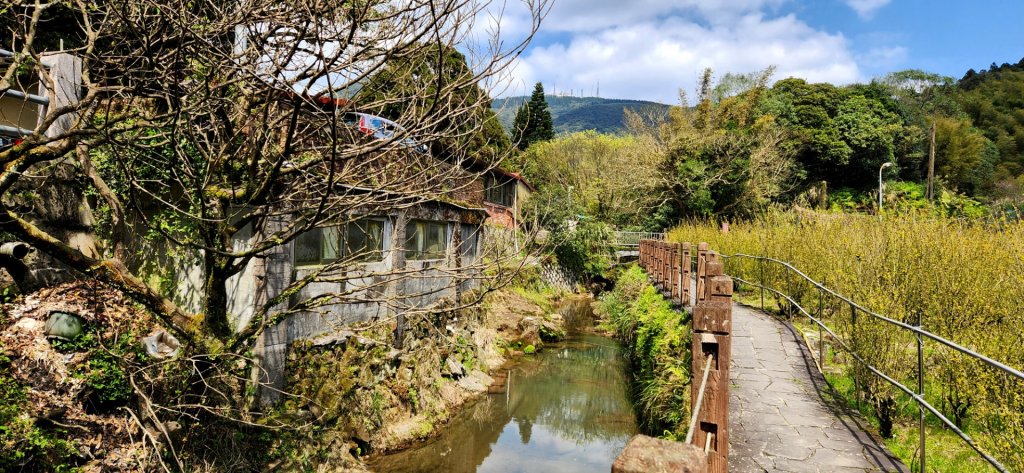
{"x": 567, "y": 410}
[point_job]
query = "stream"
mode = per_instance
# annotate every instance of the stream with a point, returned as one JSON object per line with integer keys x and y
{"x": 567, "y": 410}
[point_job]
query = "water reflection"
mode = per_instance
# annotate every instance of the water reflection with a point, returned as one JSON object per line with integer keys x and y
{"x": 567, "y": 411}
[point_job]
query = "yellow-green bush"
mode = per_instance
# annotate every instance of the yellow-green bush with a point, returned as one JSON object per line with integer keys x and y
{"x": 962, "y": 279}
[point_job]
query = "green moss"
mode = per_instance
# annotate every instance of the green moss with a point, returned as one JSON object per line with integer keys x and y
{"x": 530, "y": 349}
{"x": 24, "y": 446}
{"x": 657, "y": 343}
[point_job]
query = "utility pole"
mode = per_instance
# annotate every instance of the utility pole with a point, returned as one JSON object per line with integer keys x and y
{"x": 931, "y": 165}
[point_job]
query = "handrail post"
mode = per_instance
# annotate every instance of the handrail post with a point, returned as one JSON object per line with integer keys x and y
{"x": 761, "y": 261}
{"x": 821, "y": 338}
{"x": 920, "y": 392}
{"x": 789, "y": 292}
{"x": 856, "y": 349}
{"x": 712, "y": 327}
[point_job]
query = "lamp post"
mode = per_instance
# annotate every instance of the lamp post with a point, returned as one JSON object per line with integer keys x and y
{"x": 884, "y": 165}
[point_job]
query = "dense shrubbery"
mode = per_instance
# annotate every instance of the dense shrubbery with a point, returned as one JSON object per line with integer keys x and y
{"x": 962, "y": 279}
{"x": 657, "y": 342}
{"x": 907, "y": 197}
{"x": 584, "y": 250}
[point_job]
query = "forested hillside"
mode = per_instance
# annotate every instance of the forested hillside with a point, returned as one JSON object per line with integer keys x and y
{"x": 994, "y": 101}
{"x": 746, "y": 143}
{"x": 581, "y": 113}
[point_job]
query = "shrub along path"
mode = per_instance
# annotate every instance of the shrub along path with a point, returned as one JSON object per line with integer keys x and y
{"x": 779, "y": 420}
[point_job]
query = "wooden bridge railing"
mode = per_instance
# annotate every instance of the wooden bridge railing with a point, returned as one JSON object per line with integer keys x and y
{"x": 670, "y": 266}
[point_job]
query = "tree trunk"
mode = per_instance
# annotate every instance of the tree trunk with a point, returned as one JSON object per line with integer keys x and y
{"x": 215, "y": 296}
{"x": 111, "y": 271}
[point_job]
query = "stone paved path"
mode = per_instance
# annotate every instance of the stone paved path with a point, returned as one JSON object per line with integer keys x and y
{"x": 778, "y": 420}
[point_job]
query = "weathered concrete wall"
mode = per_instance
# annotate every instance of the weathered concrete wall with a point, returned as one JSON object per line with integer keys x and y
{"x": 364, "y": 291}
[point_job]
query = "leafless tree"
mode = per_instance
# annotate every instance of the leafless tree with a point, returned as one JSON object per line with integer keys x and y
{"x": 198, "y": 119}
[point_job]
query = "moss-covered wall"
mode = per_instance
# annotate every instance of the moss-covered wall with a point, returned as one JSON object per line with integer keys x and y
{"x": 657, "y": 342}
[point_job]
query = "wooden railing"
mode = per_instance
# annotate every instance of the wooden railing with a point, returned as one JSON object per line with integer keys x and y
{"x": 670, "y": 266}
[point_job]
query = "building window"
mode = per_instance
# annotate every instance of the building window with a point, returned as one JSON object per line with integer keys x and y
{"x": 500, "y": 191}
{"x": 362, "y": 240}
{"x": 468, "y": 244}
{"x": 425, "y": 240}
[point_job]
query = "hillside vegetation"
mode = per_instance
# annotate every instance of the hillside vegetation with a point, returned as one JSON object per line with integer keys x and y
{"x": 745, "y": 144}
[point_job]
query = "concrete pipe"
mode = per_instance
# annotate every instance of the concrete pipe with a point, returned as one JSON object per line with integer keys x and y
{"x": 15, "y": 249}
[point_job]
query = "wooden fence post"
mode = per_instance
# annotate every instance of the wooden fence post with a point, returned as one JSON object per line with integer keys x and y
{"x": 702, "y": 254}
{"x": 712, "y": 328}
{"x": 643, "y": 254}
{"x": 674, "y": 273}
{"x": 686, "y": 274}
{"x": 669, "y": 265}
{"x": 662, "y": 261}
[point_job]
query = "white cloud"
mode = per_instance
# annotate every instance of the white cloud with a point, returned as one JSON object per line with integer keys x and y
{"x": 866, "y": 8}
{"x": 595, "y": 15}
{"x": 653, "y": 58}
{"x": 883, "y": 57}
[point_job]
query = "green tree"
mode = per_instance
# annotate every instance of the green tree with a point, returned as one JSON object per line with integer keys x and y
{"x": 993, "y": 101}
{"x": 721, "y": 157}
{"x": 964, "y": 157}
{"x": 533, "y": 120}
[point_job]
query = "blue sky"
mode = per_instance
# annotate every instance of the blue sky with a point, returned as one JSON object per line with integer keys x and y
{"x": 650, "y": 49}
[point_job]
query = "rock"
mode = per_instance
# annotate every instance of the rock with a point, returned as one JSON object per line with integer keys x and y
{"x": 63, "y": 325}
{"x": 477, "y": 381}
{"x": 530, "y": 331}
{"x": 334, "y": 338}
{"x": 550, "y": 331}
{"x": 645, "y": 454}
{"x": 454, "y": 368}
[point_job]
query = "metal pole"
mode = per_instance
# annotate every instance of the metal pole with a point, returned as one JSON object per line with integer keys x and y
{"x": 821, "y": 339}
{"x": 920, "y": 391}
{"x": 856, "y": 383}
{"x": 762, "y": 283}
{"x": 789, "y": 289}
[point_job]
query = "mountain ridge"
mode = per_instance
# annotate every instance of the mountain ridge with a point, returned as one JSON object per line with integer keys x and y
{"x": 572, "y": 114}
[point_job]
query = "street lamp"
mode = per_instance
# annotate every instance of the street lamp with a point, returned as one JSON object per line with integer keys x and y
{"x": 885, "y": 165}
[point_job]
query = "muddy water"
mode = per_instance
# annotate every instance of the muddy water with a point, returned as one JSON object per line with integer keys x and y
{"x": 567, "y": 410}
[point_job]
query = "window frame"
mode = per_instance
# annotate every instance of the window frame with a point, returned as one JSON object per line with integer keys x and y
{"x": 419, "y": 253}
{"x": 503, "y": 189}
{"x": 342, "y": 249}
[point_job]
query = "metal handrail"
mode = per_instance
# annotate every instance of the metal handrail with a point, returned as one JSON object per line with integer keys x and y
{"x": 620, "y": 238}
{"x": 967, "y": 351}
{"x": 917, "y": 397}
{"x": 19, "y": 95}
